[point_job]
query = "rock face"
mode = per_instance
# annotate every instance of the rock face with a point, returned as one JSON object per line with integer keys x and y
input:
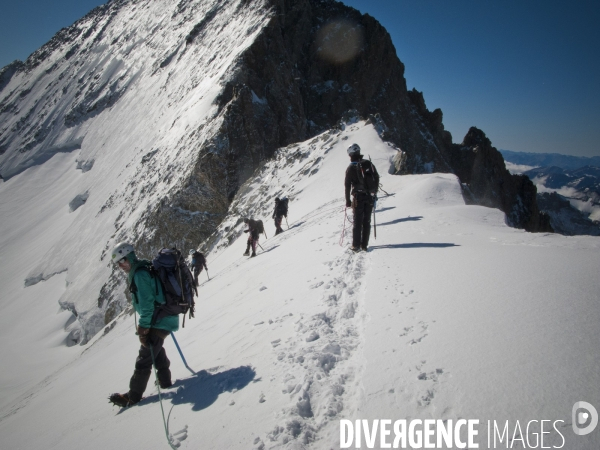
{"x": 487, "y": 182}
{"x": 171, "y": 107}
{"x": 291, "y": 86}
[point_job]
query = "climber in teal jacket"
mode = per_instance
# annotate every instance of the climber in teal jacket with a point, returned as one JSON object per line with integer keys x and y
{"x": 146, "y": 292}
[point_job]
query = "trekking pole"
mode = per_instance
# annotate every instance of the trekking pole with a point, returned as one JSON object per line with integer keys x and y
{"x": 160, "y": 398}
{"x": 182, "y": 357}
{"x": 207, "y": 274}
{"x": 260, "y": 246}
{"x": 286, "y": 222}
{"x": 374, "y": 220}
{"x": 181, "y": 284}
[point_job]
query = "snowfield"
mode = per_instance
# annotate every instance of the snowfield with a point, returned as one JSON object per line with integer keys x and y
{"x": 450, "y": 315}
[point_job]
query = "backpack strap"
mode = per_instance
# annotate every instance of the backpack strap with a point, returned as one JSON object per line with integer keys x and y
{"x": 133, "y": 287}
{"x": 361, "y": 177}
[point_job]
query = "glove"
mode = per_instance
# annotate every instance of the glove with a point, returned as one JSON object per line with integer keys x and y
{"x": 143, "y": 334}
{"x": 245, "y": 231}
{"x": 348, "y": 204}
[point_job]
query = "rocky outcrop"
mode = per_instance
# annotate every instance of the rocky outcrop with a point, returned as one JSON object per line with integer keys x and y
{"x": 487, "y": 182}
{"x": 292, "y": 83}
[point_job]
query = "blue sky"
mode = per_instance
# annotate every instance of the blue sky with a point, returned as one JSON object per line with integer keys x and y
{"x": 524, "y": 71}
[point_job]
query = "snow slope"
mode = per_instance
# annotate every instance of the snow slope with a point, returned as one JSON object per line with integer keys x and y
{"x": 117, "y": 160}
{"x": 450, "y": 315}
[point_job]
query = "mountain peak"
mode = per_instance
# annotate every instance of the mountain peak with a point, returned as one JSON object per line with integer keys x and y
{"x": 171, "y": 108}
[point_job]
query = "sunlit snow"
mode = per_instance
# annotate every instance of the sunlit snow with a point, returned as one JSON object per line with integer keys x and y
{"x": 451, "y": 314}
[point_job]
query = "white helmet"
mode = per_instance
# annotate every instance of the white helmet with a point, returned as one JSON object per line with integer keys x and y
{"x": 121, "y": 251}
{"x": 354, "y": 148}
{"x": 192, "y": 251}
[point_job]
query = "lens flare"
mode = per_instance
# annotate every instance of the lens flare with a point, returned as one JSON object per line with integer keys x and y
{"x": 339, "y": 41}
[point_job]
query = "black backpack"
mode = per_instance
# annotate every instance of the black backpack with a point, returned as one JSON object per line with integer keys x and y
{"x": 367, "y": 176}
{"x": 282, "y": 207}
{"x": 198, "y": 259}
{"x": 170, "y": 271}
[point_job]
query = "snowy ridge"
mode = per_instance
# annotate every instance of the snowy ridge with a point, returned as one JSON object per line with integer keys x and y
{"x": 451, "y": 314}
{"x": 331, "y": 338}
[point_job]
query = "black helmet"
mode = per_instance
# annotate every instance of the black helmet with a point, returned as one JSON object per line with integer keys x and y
{"x": 354, "y": 149}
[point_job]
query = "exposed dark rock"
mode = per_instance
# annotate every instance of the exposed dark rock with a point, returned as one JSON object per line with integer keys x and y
{"x": 200, "y": 26}
{"x": 78, "y": 201}
{"x": 114, "y": 296}
{"x": 482, "y": 171}
{"x": 287, "y": 89}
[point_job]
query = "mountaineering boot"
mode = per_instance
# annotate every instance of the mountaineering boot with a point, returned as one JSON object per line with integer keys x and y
{"x": 355, "y": 249}
{"x": 364, "y": 248}
{"x": 122, "y": 400}
{"x": 164, "y": 384}
{"x": 247, "y": 250}
{"x": 253, "y": 255}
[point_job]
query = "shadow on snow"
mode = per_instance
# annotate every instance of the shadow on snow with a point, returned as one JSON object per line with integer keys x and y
{"x": 270, "y": 249}
{"x": 414, "y": 245}
{"x": 405, "y": 219}
{"x": 203, "y": 388}
{"x": 385, "y": 209}
{"x": 297, "y": 225}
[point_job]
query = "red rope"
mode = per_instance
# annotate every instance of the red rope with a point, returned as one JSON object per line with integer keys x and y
{"x": 344, "y": 228}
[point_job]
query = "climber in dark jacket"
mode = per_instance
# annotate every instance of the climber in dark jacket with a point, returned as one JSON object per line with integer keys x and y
{"x": 254, "y": 233}
{"x": 145, "y": 296}
{"x": 280, "y": 211}
{"x": 198, "y": 263}
{"x": 362, "y": 202}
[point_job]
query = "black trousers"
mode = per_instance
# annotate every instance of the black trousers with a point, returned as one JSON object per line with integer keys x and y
{"x": 143, "y": 365}
{"x": 252, "y": 241}
{"x": 278, "y": 228}
{"x": 362, "y": 206}
{"x": 197, "y": 270}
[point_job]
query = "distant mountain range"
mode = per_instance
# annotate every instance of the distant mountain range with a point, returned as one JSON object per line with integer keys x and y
{"x": 568, "y": 188}
{"x": 549, "y": 159}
